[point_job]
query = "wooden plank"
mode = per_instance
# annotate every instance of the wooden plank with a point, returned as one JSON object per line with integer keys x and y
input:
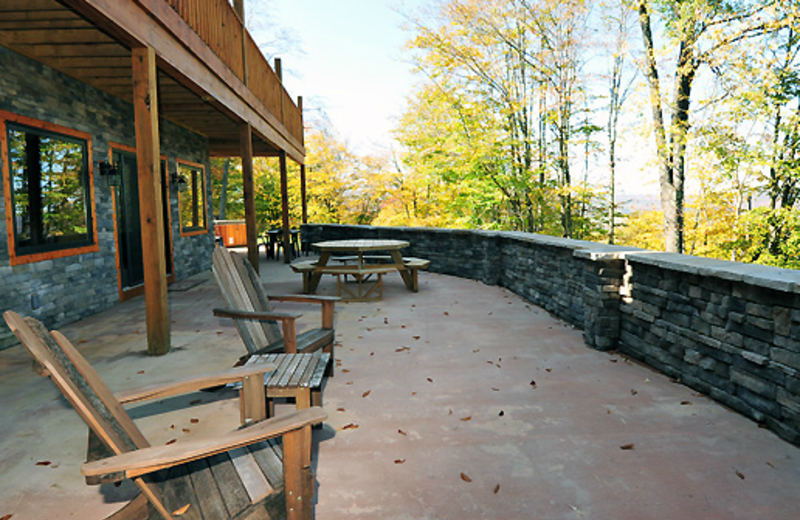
{"x": 269, "y": 460}
{"x": 210, "y": 501}
{"x": 286, "y": 376}
{"x": 306, "y": 365}
{"x": 148, "y": 157}
{"x": 319, "y": 371}
{"x": 178, "y": 493}
{"x": 230, "y": 485}
{"x": 253, "y": 479}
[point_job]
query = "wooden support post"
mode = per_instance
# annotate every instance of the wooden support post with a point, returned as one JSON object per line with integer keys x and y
{"x": 303, "y": 199}
{"x": 145, "y": 105}
{"x": 287, "y": 245}
{"x": 248, "y": 185}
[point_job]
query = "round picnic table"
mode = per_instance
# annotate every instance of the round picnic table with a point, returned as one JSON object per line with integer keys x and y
{"x": 359, "y": 246}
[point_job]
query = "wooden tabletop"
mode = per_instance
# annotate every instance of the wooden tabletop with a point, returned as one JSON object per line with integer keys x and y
{"x": 360, "y": 245}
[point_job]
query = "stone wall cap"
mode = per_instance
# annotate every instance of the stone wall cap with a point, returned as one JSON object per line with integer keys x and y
{"x": 786, "y": 280}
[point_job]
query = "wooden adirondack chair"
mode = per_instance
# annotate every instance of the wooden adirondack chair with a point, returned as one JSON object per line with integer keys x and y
{"x": 245, "y": 474}
{"x": 257, "y": 322}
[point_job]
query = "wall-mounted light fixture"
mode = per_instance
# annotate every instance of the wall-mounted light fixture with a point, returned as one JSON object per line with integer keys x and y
{"x": 110, "y": 173}
{"x": 179, "y": 181}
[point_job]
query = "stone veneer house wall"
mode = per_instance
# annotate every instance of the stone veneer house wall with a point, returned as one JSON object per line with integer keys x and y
{"x": 727, "y": 329}
{"x": 65, "y": 288}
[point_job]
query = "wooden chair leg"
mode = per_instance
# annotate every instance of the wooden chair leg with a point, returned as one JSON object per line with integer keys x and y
{"x": 297, "y": 473}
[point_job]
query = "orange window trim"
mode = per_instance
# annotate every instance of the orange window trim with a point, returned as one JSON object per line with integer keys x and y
{"x": 14, "y": 259}
{"x": 204, "y": 229}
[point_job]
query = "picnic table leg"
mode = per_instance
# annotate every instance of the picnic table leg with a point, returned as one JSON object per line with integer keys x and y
{"x": 313, "y": 282}
{"x": 405, "y": 273}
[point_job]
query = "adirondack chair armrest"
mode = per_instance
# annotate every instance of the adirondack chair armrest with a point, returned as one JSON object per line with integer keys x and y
{"x": 193, "y": 384}
{"x": 155, "y": 458}
{"x": 328, "y": 304}
{"x": 302, "y": 298}
{"x": 260, "y": 316}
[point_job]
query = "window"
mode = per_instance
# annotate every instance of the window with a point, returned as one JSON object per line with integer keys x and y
{"x": 50, "y": 195}
{"x": 192, "y": 198}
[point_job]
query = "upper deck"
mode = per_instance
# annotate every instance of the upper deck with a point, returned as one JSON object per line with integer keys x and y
{"x": 212, "y": 78}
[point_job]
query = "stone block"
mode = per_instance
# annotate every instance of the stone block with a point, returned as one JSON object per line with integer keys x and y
{"x": 767, "y": 405}
{"x": 757, "y": 385}
{"x": 785, "y": 357}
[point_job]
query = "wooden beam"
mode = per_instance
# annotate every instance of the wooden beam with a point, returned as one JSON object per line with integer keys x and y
{"x": 145, "y": 105}
{"x": 303, "y": 200}
{"x": 287, "y": 256}
{"x": 246, "y": 138}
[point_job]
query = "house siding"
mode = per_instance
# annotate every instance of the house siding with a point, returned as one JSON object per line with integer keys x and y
{"x": 62, "y": 290}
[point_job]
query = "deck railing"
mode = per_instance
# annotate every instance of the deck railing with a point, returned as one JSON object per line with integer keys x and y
{"x": 218, "y": 24}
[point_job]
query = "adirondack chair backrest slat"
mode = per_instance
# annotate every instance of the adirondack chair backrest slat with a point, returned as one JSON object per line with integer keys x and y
{"x": 242, "y": 290}
{"x": 79, "y": 383}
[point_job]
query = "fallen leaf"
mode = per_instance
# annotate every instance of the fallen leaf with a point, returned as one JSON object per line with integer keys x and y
{"x": 430, "y": 380}
{"x": 186, "y": 430}
{"x": 446, "y": 313}
{"x": 490, "y": 362}
{"x": 194, "y": 420}
{"x": 173, "y": 441}
{"x": 413, "y": 393}
{"x": 497, "y": 489}
{"x": 399, "y": 461}
{"x": 385, "y": 321}
{"x": 476, "y": 350}
{"x": 451, "y": 412}
{"x": 465, "y": 477}
{"x": 495, "y": 389}
{"x": 196, "y": 401}
{"x": 608, "y": 412}
{"x": 739, "y": 474}
{"x": 340, "y": 409}
{"x": 548, "y": 370}
{"x": 140, "y": 372}
{"x": 634, "y": 392}
{"x": 43, "y": 463}
{"x": 6, "y": 517}
{"x": 349, "y": 383}
{"x": 627, "y": 446}
{"x": 416, "y": 337}
{"x": 171, "y": 426}
{"x": 351, "y": 426}
{"x": 467, "y": 418}
{"x": 365, "y": 394}
{"x": 371, "y": 353}
{"x": 345, "y": 370}
{"x": 685, "y": 403}
{"x": 219, "y": 332}
{"x": 401, "y": 432}
{"x": 402, "y": 326}
{"x": 369, "y": 330}
{"x": 533, "y": 383}
{"x": 771, "y": 465}
{"x": 182, "y": 511}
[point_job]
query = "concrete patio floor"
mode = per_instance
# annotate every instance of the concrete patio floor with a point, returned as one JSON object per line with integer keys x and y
{"x": 461, "y": 401}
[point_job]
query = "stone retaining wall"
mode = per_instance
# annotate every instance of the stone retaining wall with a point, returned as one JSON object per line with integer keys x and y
{"x": 728, "y": 330}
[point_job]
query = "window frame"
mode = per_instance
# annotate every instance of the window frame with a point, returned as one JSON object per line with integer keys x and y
{"x": 19, "y": 258}
{"x": 188, "y": 231}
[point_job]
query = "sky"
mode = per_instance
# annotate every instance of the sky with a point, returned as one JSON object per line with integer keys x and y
{"x": 347, "y": 59}
{"x": 352, "y": 64}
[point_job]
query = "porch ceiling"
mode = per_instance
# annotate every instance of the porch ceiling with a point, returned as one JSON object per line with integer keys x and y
{"x": 58, "y": 37}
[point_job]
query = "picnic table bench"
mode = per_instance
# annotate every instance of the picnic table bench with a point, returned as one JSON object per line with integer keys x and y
{"x": 361, "y": 274}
